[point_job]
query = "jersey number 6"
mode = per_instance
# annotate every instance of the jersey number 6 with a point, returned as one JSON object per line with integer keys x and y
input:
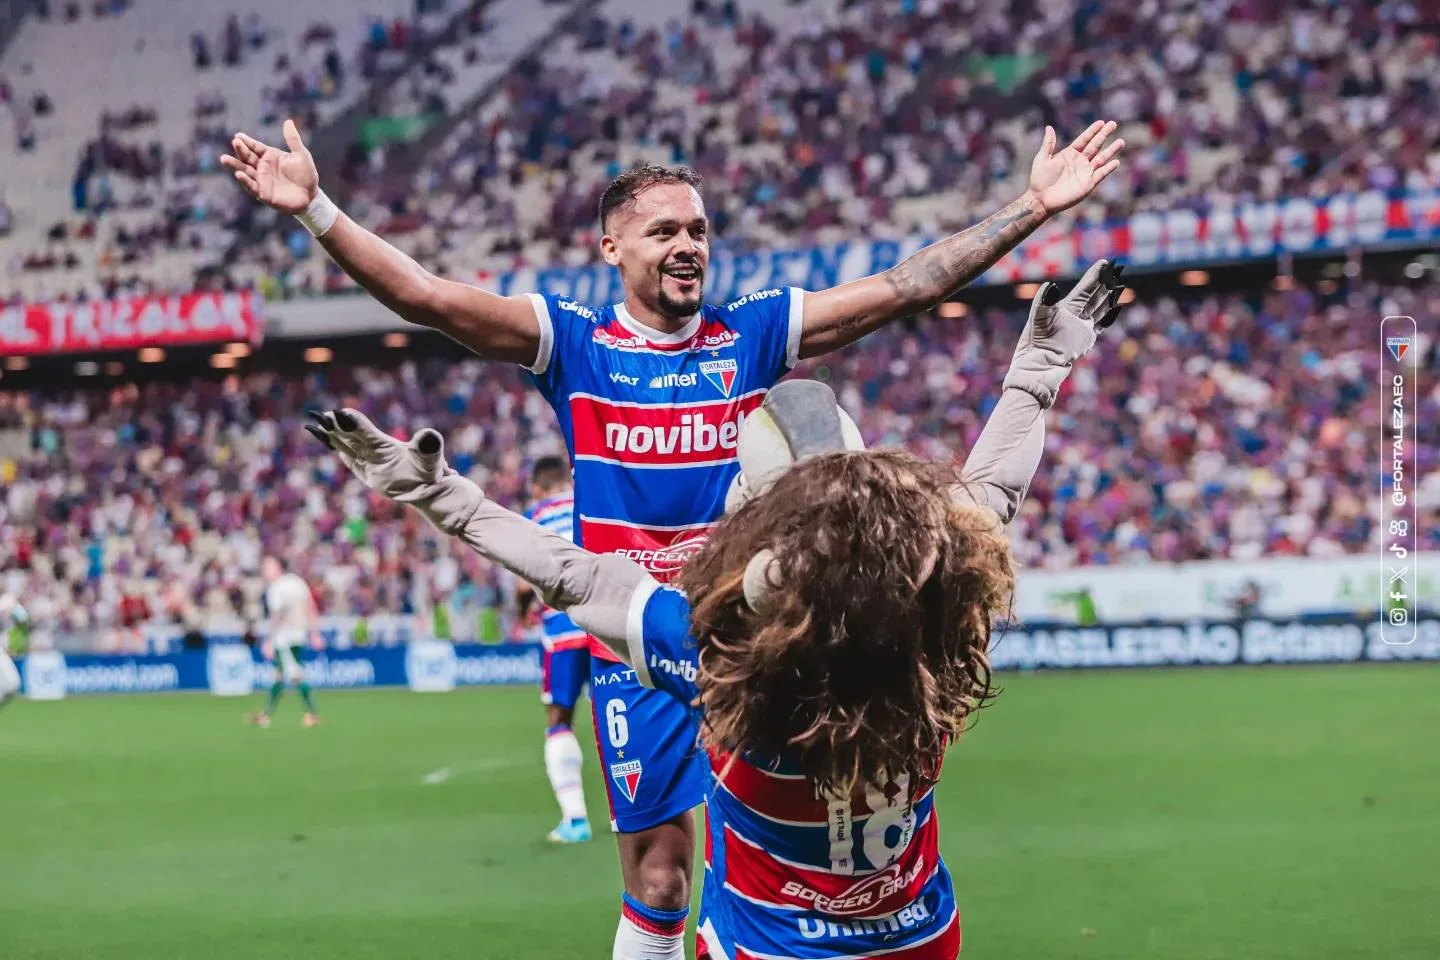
{"x": 616, "y": 726}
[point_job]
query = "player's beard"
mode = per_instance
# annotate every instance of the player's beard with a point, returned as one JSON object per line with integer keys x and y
{"x": 680, "y": 308}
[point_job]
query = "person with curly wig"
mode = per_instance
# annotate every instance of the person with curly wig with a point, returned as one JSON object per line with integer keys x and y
{"x": 832, "y": 639}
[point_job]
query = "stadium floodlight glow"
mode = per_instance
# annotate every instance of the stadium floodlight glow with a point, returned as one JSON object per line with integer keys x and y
{"x": 953, "y": 309}
{"x": 151, "y": 355}
{"x": 1352, "y": 268}
{"x": 239, "y": 350}
{"x": 1194, "y": 278}
{"x": 114, "y": 368}
{"x": 1415, "y": 270}
{"x": 1026, "y": 291}
{"x": 87, "y": 368}
{"x": 396, "y": 340}
{"x": 318, "y": 354}
{"x": 17, "y": 363}
{"x": 223, "y": 361}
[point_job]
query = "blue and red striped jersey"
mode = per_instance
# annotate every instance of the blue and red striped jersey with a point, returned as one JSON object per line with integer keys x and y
{"x": 791, "y": 874}
{"x": 557, "y": 514}
{"x": 652, "y": 420}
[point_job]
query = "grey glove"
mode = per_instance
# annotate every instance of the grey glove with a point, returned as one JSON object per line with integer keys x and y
{"x": 415, "y": 473}
{"x": 597, "y": 590}
{"x": 1059, "y": 332}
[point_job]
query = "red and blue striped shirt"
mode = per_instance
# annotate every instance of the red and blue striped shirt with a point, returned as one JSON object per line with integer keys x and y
{"x": 791, "y": 874}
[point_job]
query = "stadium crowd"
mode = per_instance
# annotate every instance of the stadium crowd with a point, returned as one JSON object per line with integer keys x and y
{"x": 811, "y": 120}
{"x": 916, "y": 117}
{"x": 1218, "y": 426}
{"x": 146, "y": 183}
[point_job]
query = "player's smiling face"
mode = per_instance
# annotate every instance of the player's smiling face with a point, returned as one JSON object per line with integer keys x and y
{"x": 661, "y": 245}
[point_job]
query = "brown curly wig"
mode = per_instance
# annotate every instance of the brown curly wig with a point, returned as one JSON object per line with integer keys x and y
{"x": 873, "y": 651}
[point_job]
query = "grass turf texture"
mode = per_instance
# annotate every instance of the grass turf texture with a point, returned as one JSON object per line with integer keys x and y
{"x": 1277, "y": 813}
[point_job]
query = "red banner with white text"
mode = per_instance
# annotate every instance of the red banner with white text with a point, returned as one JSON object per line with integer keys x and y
{"x": 155, "y": 321}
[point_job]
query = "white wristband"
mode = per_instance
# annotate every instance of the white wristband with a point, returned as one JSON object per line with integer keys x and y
{"x": 320, "y": 215}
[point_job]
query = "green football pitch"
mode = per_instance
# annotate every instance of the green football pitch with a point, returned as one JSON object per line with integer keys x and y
{"x": 1227, "y": 814}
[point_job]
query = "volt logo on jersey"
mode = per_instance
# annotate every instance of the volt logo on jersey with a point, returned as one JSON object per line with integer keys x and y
{"x": 721, "y": 373}
{"x": 627, "y": 777}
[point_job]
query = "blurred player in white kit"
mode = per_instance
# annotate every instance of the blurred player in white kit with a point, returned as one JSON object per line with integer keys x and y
{"x": 293, "y": 622}
{"x": 11, "y": 612}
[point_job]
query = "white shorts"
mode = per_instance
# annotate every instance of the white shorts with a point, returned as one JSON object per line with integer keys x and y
{"x": 288, "y": 662}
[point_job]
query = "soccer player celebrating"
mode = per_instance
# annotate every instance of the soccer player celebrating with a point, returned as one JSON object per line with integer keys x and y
{"x": 650, "y": 393}
{"x": 293, "y": 624}
{"x": 833, "y": 634}
{"x": 565, "y": 668}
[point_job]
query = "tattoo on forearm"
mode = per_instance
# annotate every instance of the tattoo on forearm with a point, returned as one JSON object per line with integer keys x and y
{"x": 932, "y": 274}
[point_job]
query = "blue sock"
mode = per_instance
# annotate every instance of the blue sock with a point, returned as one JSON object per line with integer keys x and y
{"x": 664, "y": 923}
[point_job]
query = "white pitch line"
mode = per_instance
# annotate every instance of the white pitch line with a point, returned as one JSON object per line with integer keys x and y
{"x": 445, "y": 774}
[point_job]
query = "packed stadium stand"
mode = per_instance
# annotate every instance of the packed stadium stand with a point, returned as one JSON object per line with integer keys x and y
{"x": 478, "y": 135}
{"x": 820, "y": 120}
{"x": 812, "y": 119}
{"x": 1210, "y": 427}
{"x": 118, "y": 117}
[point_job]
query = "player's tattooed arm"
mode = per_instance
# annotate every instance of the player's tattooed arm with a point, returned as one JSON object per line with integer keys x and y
{"x": 839, "y": 316}
{"x": 844, "y": 314}
{"x": 930, "y": 275}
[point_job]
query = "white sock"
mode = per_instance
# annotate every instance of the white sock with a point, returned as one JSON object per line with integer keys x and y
{"x": 563, "y": 761}
{"x": 649, "y": 934}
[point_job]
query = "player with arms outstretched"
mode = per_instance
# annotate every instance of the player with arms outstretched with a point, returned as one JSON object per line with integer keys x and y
{"x": 833, "y": 634}
{"x": 566, "y": 660}
{"x": 293, "y": 628}
{"x": 650, "y": 393}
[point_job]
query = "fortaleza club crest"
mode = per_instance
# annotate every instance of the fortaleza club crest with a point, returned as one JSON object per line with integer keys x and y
{"x": 1399, "y": 346}
{"x": 627, "y": 777}
{"x": 721, "y": 373}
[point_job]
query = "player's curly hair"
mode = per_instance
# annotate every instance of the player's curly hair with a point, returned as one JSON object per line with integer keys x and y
{"x": 623, "y": 190}
{"x": 873, "y": 651}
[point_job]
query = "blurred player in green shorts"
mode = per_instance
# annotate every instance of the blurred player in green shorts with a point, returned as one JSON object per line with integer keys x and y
{"x": 293, "y": 622}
